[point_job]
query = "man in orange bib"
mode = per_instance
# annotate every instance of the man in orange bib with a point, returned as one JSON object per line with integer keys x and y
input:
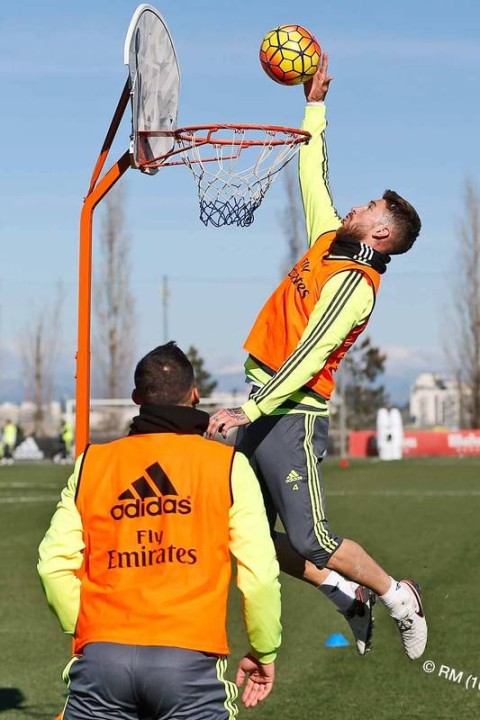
{"x": 294, "y": 348}
{"x": 136, "y": 563}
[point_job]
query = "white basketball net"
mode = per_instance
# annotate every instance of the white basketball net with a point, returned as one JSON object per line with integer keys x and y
{"x": 235, "y": 166}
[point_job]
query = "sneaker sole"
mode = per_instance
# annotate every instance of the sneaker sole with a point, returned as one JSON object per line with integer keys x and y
{"x": 368, "y": 642}
{"x": 372, "y": 597}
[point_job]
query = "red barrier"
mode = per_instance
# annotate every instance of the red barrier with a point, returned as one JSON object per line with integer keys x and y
{"x": 363, "y": 443}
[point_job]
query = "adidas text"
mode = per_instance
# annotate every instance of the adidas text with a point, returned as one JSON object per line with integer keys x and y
{"x": 158, "y": 506}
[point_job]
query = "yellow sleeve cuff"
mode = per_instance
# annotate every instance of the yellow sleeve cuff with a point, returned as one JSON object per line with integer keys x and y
{"x": 251, "y": 410}
{"x": 264, "y": 659}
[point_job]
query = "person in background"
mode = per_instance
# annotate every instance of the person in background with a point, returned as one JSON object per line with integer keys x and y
{"x": 9, "y": 441}
{"x": 66, "y": 441}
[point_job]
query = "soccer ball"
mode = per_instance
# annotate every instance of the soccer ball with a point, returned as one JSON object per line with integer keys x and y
{"x": 289, "y": 54}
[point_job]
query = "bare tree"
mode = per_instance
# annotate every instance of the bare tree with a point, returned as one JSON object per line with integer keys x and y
{"x": 463, "y": 350}
{"x": 114, "y": 306}
{"x": 292, "y": 220}
{"x": 39, "y": 345}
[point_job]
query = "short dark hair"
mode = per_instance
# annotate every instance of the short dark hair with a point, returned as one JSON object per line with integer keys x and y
{"x": 406, "y": 221}
{"x": 164, "y": 376}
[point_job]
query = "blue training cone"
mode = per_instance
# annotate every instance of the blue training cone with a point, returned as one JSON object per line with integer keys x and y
{"x": 336, "y": 640}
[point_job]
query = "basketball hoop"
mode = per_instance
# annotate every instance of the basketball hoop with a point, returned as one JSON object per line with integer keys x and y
{"x": 233, "y": 165}
{"x": 232, "y": 180}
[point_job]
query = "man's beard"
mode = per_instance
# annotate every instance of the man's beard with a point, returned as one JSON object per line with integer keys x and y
{"x": 353, "y": 233}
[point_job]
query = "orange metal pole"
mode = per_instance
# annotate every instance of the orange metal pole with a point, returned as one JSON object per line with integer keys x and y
{"x": 94, "y": 195}
{"x": 82, "y": 412}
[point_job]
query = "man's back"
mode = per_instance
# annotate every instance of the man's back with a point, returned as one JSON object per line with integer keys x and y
{"x": 155, "y": 513}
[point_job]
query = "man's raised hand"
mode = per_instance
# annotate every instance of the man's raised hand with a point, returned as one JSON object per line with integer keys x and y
{"x": 316, "y": 89}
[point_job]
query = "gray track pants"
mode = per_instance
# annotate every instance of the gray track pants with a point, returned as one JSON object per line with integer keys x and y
{"x": 111, "y": 681}
{"x": 286, "y": 451}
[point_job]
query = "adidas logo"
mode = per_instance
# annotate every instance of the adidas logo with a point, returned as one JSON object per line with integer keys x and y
{"x": 293, "y": 476}
{"x": 146, "y": 496}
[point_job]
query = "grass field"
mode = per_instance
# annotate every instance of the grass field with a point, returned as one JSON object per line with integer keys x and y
{"x": 419, "y": 518}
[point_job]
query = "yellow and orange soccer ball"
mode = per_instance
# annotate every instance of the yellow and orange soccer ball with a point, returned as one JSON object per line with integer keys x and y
{"x": 289, "y": 54}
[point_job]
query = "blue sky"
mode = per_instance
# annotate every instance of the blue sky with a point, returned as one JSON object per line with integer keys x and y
{"x": 403, "y": 113}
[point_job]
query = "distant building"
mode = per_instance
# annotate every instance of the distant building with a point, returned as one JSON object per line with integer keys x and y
{"x": 436, "y": 401}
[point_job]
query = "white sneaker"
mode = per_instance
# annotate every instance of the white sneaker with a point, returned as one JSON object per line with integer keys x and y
{"x": 412, "y": 624}
{"x": 360, "y": 618}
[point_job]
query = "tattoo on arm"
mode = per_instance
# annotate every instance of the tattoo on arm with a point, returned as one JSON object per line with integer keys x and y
{"x": 236, "y": 413}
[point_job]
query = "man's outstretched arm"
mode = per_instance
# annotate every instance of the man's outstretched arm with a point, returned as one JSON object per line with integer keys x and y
{"x": 320, "y": 213}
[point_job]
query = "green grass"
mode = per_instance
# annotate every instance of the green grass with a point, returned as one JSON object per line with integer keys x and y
{"x": 418, "y": 518}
